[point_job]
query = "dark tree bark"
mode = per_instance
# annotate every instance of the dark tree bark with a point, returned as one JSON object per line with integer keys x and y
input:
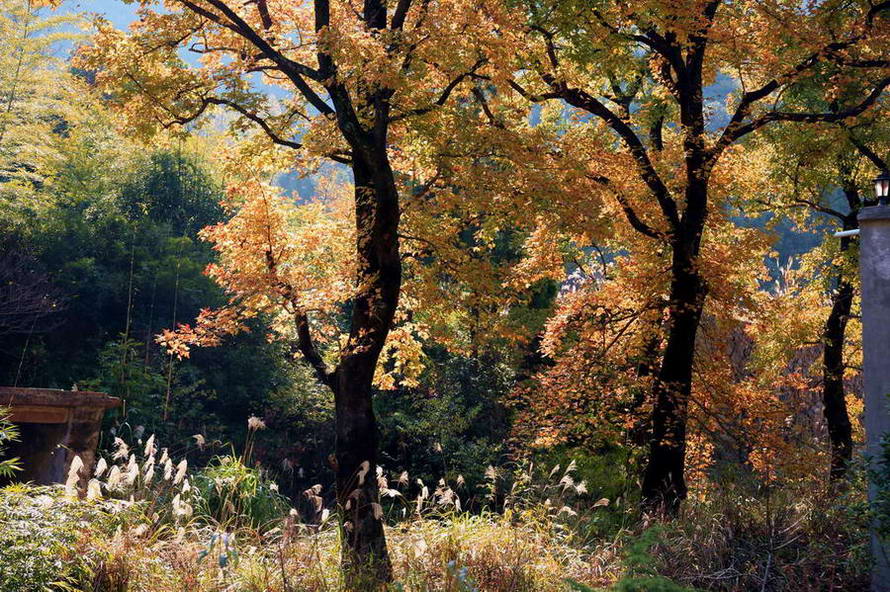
{"x": 379, "y": 273}
{"x": 837, "y": 419}
{"x": 364, "y": 554}
{"x": 834, "y": 401}
{"x": 664, "y": 486}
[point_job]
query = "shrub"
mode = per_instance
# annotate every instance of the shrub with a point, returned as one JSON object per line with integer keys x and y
{"x": 42, "y": 531}
{"x": 231, "y": 494}
{"x": 784, "y": 539}
{"x": 228, "y": 528}
{"x": 8, "y": 433}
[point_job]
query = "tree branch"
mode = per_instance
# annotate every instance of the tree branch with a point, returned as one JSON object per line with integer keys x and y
{"x": 310, "y": 353}
{"x": 293, "y": 70}
{"x": 265, "y": 17}
{"x": 870, "y": 154}
{"x": 274, "y": 136}
{"x": 632, "y": 217}
{"x": 581, "y": 99}
{"x": 443, "y": 96}
{"x": 486, "y": 109}
{"x": 696, "y": 55}
{"x": 802, "y": 203}
{"x": 655, "y": 134}
{"x": 304, "y": 344}
{"x": 651, "y": 39}
{"x": 736, "y": 129}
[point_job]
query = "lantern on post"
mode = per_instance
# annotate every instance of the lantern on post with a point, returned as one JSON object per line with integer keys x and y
{"x": 882, "y": 188}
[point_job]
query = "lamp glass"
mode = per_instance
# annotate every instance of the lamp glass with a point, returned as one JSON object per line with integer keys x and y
{"x": 882, "y": 187}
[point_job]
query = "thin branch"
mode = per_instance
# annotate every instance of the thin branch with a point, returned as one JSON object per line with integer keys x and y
{"x": 870, "y": 154}
{"x": 632, "y": 217}
{"x": 293, "y": 70}
{"x": 273, "y": 135}
{"x": 443, "y": 96}
{"x": 304, "y": 343}
{"x": 583, "y": 100}
{"x": 310, "y": 353}
{"x": 486, "y": 109}
{"x": 736, "y": 129}
{"x": 534, "y": 98}
{"x": 801, "y": 203}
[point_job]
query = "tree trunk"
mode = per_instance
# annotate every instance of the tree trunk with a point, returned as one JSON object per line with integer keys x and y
{"x": 365, "y": 557}
{"x": 664, "y": 486}
{"x": 837, "y": 419}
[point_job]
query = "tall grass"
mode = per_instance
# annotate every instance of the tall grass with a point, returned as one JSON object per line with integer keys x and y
{"x": 146, "y": 524}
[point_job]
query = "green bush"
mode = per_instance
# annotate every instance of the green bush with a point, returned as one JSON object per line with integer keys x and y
{"x": 610, "y": 474}
{"x": 41, "y": 533}
{"x": 642, "y": 567}
{"x": 8, "y": 433}
{"x": 233, "y": 494}
{"x": 642, "y": 574}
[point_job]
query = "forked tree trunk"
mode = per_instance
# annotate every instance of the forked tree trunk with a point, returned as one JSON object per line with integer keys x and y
{"x": 664, "y": 483}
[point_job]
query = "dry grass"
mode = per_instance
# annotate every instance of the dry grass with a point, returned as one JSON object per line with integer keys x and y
{"x": 459, "y": 553}
{"x": 143, "y": 528}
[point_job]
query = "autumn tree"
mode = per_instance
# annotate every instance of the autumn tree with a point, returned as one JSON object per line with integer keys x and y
{"x": 351, "y": 76}
{"x": 822, "y": 175}
{"x": 646, "y": 71}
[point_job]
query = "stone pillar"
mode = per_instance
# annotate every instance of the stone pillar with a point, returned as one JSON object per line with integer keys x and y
{"x": 874, "y": 269}
{"x": 83, "y": 437}
{"x": 38, "y": 450}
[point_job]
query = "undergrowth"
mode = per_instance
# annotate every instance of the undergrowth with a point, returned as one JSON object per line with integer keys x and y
{"x": 145, "y": 523}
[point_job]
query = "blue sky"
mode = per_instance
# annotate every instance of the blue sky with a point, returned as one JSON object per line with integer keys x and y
{"x": 114, "y": 10}
{"x": 121, "y": 15}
